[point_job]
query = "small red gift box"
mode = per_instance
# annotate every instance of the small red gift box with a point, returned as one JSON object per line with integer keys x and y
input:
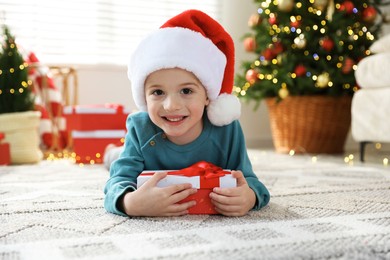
{"x": 95, "y": 117}
{"x": 203, "y": 175}
{"x": 89, "y": 145}
{"x": 5, "y": 155}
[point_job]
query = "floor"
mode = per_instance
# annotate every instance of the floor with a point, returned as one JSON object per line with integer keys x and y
{"x": 376, "y": 154}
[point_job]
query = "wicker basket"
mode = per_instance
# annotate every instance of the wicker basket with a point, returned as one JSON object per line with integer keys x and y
{"x": 310, "y": 124}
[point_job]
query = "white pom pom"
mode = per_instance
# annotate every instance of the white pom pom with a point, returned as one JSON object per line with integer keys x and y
{"x": 224, "y": 110}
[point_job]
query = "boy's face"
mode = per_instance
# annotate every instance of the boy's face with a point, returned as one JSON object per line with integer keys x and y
{"x": 175, "y": 102}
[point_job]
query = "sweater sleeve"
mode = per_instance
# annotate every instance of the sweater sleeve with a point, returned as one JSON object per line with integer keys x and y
{"x": 124, "y": 171}
{"x": 239, "y": 160}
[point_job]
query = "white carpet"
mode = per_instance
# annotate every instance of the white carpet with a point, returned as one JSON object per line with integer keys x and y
{"x": 321, "y": 210}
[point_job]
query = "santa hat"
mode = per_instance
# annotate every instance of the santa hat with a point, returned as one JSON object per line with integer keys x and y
{"x": 197, "y": 43}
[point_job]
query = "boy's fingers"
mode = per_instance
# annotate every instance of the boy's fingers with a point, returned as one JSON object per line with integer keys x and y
{"x": 172, "y": 189}
{"x": 176, "y": 197}
{"x": 179, "y": 187}
{"x": 158, "y": 176}
{"x": 182, "y": 207}
{"x": 240, "y": 178}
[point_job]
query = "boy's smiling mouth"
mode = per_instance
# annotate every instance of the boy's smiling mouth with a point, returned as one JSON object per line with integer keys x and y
{"x": 174, "y": 119}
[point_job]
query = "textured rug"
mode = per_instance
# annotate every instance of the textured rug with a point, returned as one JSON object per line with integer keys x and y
{"x": 321, "y": 208}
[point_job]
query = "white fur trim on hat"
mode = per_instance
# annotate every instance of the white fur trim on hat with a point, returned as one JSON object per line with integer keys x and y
{"x": 224, "y": 110}
{"x": 177, "y": 47}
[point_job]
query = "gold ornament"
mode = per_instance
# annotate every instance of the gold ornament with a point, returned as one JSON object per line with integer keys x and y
{"x": 325, "y": 4}
{"x": 322, "y": 80}
{"x": 254, "y": 20}
{"x": 279, "y": 59}
{"x": 330, "y": 10}
{"x": 320, "y": 4}
{"x": 285, "y": 5}
{"x": 283, "y": 93}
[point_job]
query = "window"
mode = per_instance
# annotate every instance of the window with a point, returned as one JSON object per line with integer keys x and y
{"x": 91, "y": 31}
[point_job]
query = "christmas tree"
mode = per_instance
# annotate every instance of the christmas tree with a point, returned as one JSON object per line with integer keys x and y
{"x": 308, "y": 47}
{"x": 15, "y": 90}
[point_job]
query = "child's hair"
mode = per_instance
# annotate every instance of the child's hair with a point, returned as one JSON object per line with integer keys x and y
{"x": 197, "y": 43}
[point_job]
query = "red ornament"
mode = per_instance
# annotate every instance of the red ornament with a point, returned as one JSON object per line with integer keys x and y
{"x": 277, "y": 48}
{"x": 300, "y": 70}
{"x": 295, "y": 24}
{"x": 268, "y": 54}
{"x": 327, "y": 44}
{"x": 272, "y": 20}
{"x": 347, "y": 6}
{"x": 369, "y": 14}
{"x": 348, "y": 65}
{"x": 251, "y": 76}
{"x": 249, "y": 44}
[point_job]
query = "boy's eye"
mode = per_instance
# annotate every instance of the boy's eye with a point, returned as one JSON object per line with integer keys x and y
{"x": 186, "y": 91}
{"x": 157, "y": 92}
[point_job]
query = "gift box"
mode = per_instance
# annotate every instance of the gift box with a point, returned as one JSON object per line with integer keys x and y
{"x": 5, "y": 154}
{"x": 203, "y": 176}
{"x": 95, "y": 117}
{"x": 89, "y": 146}
{"x": 92, "y": 127}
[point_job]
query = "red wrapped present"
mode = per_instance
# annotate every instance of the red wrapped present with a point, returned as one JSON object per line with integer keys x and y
{"x": 203, "y": 175}
{"x": 5, "y": 154}
{"x": 89, "y": 146}
{"x": 95, "y": 117}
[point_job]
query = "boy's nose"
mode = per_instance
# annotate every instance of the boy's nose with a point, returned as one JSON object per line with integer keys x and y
{"x": 172, "y": 103}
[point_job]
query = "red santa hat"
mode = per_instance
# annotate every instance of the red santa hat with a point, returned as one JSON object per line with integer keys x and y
{"x": 197, "y": 43}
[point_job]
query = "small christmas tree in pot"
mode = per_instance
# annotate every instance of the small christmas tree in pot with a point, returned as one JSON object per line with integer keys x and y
{"x": 306, "y": 55}
{"x": 18, "y": 120}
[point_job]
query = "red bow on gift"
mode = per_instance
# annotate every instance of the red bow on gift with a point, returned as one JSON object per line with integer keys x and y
{"x": 202, "y": 168}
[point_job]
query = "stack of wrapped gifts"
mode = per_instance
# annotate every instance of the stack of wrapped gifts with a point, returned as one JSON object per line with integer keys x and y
{"x": 5, "y": 156}
{"x": 92, "y": 127}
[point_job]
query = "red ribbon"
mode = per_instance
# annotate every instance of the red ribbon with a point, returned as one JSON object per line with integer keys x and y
{"x": 208, "y": 174}
{"x": 203, "y": 169}
{"x": 117, "y": 107}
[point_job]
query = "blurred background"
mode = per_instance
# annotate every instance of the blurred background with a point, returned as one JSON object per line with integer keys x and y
{"x": 96, "y": 38}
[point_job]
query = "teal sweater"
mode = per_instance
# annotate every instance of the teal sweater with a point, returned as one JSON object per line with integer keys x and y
{"x": 147, "y": 148}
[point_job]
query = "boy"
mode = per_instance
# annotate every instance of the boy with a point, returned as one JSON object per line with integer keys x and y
{"x": 182, "y": 78}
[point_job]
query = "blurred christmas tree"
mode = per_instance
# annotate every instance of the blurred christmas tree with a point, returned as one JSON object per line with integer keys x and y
{"x": 308, "y": 47}
{"x": 15, "y": 91}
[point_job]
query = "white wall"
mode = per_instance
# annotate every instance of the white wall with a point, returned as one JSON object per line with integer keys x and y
{"x": 109, "y": 84}
{"x": 255, "y": 123}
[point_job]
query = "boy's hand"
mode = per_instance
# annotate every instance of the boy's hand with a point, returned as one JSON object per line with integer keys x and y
{"x": 234, "y": 201}
{"x": 150, "y": 200}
